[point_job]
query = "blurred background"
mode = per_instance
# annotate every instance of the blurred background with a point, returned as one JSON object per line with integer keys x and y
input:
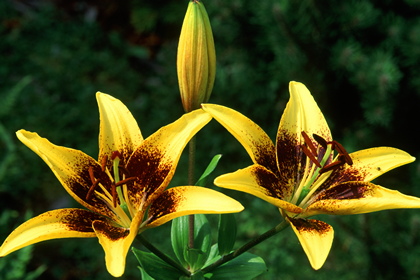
{"x": 360, "y": 60}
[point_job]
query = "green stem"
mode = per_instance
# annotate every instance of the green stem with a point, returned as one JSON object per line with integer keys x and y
{"x": 191, "y": 182}
{"x": 162, "y": 255}
{"x": 246, "y": 247}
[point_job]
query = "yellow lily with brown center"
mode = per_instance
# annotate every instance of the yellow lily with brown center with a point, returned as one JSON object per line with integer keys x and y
{"x": 307, "y": 173}
{"x": 128, "y": 181}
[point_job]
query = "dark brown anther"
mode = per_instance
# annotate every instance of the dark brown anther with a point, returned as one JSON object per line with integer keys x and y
{"x": 321, "y": 141}
{"x": 309, "y": 143}
{"x": 310, "y": 155}
{"x": 94, "y": 183}
{"x": 125, "y": 181}
{"x": 104, "y": 162}
{"x": 331, "y": 166}
{"x": 123, "y": 170}
{"x": 343, "y": 153}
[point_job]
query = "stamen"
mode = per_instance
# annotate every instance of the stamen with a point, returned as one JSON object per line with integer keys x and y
{"x": 308, "y": 142}
{"x": 103, "y": 163}
{"x": 94, "y": 181}
{"x": 123, "y": 170}
{"x": 321, "y": 141}
{"x": 343, "y": 153}
{"x": 122, "y": 182}
{"x": 310, "y": 155}
{"x": 331, "y": 166}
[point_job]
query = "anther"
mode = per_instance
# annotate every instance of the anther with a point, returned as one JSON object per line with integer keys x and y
{"x": 310, "y": 155}
{"x": 321, "y": 141}
{"x": 94, "y": 181}
{"x": 343, "y": 153}
{"x": 331, "y": 166}
{"x": 104, "y": 162}
{"x": 308, "y": 142}
{"x": 125, "y": 181}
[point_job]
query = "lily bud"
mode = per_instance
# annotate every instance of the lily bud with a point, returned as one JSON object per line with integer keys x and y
{"x": 196, "y": 59}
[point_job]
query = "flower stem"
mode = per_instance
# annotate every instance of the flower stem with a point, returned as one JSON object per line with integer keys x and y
{"x": 191, "y": 182}
{"x": 162, "y": 255}
{"x": 246, "y": 247}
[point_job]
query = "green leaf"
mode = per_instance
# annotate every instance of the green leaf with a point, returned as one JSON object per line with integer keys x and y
{"x": 144, "y": 275}
{"x": 210, "y": 168}
{"x": 227, "y": 233}
{"x": 191, "y": 258}
{"x": 245, "y": 267}
{"x": 213, "y": 256}
{"x": 179, "y": 238}
{"x": 155, "y": 267}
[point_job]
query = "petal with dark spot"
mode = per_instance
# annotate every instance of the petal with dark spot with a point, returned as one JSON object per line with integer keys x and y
{"x": 116, "y": 242}
{"x": 154, "y": 162}
{"x": 301, "y": 114}
{"x": 71, "y": 167}
{"x": 61, "y": 223}
{"x": 368, "y": 164}
{"x": 358, "y": 198}
{"x": 260, "y": 182}
{"x": 255, "y": 141}
{"x": 118, "y": 129}
{"x": 181, "y": 201}
{"x": 316, "y": 238}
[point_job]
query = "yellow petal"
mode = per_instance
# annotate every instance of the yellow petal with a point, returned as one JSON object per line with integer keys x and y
{"x": 260, "y": 182}
{"x": 61, "y": 223}
{"x": 186, "y": 200}
{"x": 155, "y": 160}
{"x": 371, "y": 163}
{"x": 255, "y": 141}
{"x": 358, "y": 198}
{"x": 118, "y": 129}
{"x": 302, "y": 114}
{"x": 116, "y": 242}
{"x": 71, "y": 167}
{"x": 316, "y": 238}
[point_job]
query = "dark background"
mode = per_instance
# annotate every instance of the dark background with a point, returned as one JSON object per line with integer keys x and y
{"x": 360, "y": 60}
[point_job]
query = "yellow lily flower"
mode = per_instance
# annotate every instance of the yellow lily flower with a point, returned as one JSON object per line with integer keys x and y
{"x": 307, "y": 173}
{"x": 124, "y": 191}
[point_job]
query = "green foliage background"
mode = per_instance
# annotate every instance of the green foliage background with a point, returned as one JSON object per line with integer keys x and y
{"x": 360, "y": 60}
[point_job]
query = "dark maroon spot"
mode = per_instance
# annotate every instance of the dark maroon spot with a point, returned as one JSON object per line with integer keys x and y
{"x": 268, "y": 181}
{"x": 112, "y": 232}
{"x": 164, "y": 204}
{"x": 311, "y": 225}
{"x": 81, "y": 220}
{"x": 149, "y": 169}
{"x": 351, "y": 190}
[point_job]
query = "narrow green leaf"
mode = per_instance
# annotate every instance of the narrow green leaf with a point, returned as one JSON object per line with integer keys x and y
{"x": 210, "y": 168}
{"x": 155, "y": 267}
{"x": 245, "y": 267}
{"x": 227, "y": 233}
